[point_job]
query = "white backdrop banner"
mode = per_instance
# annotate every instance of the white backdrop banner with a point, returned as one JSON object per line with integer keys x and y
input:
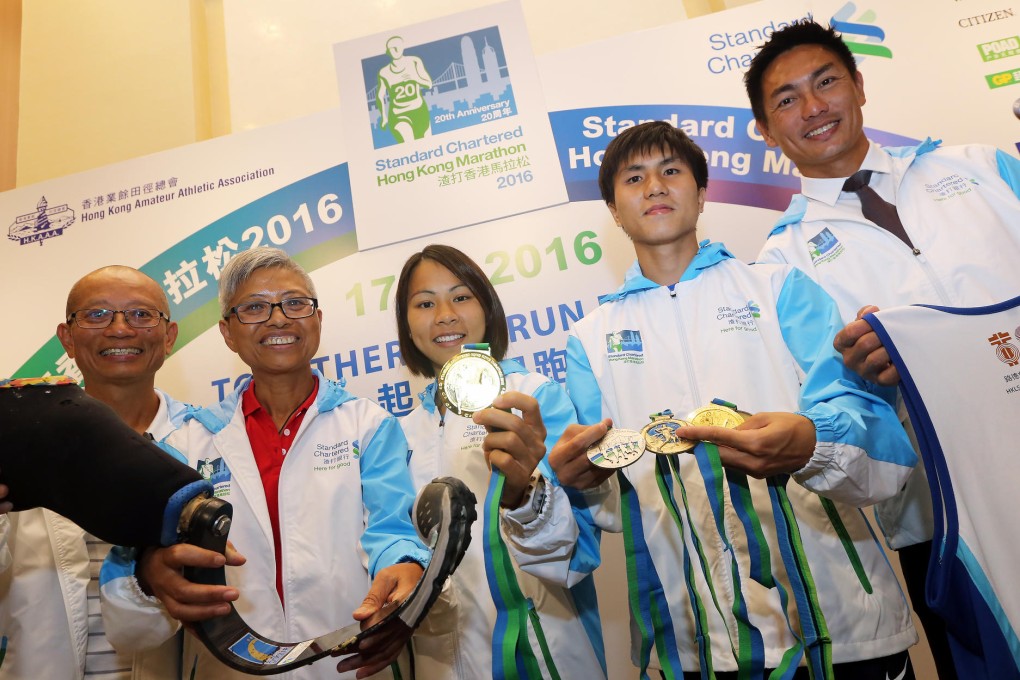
{"x": 179, "y": 215}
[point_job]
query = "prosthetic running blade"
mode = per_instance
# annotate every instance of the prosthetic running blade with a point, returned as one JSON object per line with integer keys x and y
{"x": 443, "y": 513}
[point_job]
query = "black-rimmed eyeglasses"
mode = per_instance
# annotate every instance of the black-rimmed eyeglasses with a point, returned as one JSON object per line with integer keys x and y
{"x": 260, "y": 311}
{"x": 95, "y": 319}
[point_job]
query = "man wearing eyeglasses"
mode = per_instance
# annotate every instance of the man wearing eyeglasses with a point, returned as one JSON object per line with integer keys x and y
{"x": 118, "y": 330}
{"x": 317, "y": 478}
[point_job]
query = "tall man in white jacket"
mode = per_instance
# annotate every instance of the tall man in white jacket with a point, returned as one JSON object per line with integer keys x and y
{"x": 118, "y": 330}
{"x": 955, "y": 239}
{"x": 319, "y": 485}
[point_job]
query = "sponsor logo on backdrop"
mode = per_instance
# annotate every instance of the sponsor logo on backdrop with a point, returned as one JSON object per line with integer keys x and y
{"x": 999, "y": 49}
{"x": 416, "y": 91}
{"x": 986, "y": 18}
{"x": 1003, "y": 78}
{"x": 735, "y": 49}
{"x": 44, "y": 223}
{"x": 860, "y": 33}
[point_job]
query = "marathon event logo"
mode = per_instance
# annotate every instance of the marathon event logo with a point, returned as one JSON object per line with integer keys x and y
{"x": 625, "y": 346}
{"x": 861, "y": 34}
{"x": 1005, "y": 351}
{"x": 415, "y": 91}
{"x": 215, "y": 471}
{"x": 824, "y": 247}
{"x": 44, "y": 223}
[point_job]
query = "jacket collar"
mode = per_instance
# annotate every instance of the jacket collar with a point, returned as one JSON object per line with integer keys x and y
{"x": 879, "y": 159}
{"x": 330, "y": 395}
{"x": 709, "y": 254}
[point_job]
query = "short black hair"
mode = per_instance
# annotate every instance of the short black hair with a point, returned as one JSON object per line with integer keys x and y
{"x": 652, "y": 136}
{"x": 803, "y": 32}
{"x": 468, "y": 271}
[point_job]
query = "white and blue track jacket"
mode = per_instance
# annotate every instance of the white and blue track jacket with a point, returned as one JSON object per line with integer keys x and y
{"x": 345, "y": 503}
{"x": 759, "y": 337}
{"x": 960, "y": 207}
{"x": 456, "y": 639}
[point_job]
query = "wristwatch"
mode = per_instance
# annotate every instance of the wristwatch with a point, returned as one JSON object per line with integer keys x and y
{"x": 471, "y": 380}
{"x": 532, "y": 502}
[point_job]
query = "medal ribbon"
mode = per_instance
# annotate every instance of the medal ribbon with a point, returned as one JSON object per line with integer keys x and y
{"x": 648, "y": 607}
{"x": 816, "y": 639}
{"x": 750, "y": 646}
{"x": 750, "y": 654}
{"x": 761, "y": 568}
{"x": 848, "y": 543}
{"x": 702, "y": 632}
{"x": 513, "y": 657}
{"x": 816, "y": 636}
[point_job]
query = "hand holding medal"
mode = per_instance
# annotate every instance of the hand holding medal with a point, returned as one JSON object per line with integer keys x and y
{"x": 664, "y": 435}
{"x": 766, "y": 444}
{"x": 468, "y": 383}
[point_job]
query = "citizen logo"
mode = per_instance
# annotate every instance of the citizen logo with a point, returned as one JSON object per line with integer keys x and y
{"x": 985, "y": 18}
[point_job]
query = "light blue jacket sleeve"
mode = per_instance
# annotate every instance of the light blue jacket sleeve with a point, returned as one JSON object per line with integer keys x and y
{"x": 862, "y": 455}
{"x": 581, "y": 384}
{"x": 593, "y": 510}
{"x": 1009, "y": 170}
{"x": 598, "y": 508}
{"x": 388, "y": 495}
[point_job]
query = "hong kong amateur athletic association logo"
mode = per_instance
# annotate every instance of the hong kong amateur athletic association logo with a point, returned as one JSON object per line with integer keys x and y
{"x": 1005, "y": 351}
{"x": 44, "y": 223}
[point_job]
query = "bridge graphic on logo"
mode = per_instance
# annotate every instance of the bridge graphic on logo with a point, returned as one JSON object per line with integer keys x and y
{"x": 870, "y": 35}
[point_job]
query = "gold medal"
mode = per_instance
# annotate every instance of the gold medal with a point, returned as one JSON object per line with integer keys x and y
{"x": 617, "y": 449}
{"x": 471, "y": 380}
{"x": 660, "y": 436}
{"x": 716, "y": 415}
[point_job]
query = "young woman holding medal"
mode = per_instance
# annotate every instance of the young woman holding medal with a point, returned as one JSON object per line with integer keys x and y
{"x": 493, "y": 619}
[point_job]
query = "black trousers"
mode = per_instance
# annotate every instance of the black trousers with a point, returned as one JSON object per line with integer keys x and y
{"x": 914, "y": 564}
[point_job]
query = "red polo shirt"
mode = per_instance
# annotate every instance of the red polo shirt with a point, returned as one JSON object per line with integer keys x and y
{"x": 270, "y": 447}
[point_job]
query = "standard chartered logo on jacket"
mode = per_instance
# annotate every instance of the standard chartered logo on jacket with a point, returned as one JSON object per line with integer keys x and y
{"x": 335, "y": 455}
{"x": 739, "y": 318}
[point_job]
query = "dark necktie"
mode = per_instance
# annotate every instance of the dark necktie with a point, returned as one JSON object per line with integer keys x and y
{"x": 874, "y": 207}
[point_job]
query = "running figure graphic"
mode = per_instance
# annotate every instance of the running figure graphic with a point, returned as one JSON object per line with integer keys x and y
{"x": 405, "y": 114}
